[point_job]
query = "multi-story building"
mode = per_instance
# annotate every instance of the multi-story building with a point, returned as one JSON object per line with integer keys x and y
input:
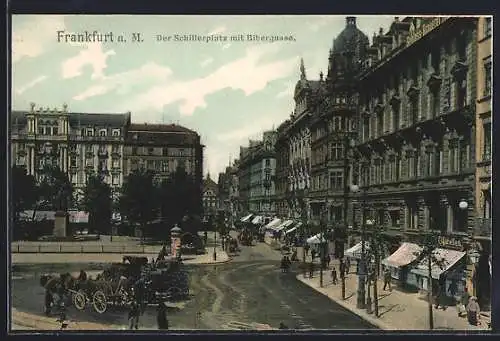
{"x": 78, "y": 143}
{"x": 256, "y": 173}
{"x": 281, "y": 179}
{"x": 228, "y": 191}
{"x": 415, "y": 155}
{"x": 210, "y": 198}
{"x": 482, "y": 233}
{"x": 163, "y": 148}
{"x": 107, "y": 144}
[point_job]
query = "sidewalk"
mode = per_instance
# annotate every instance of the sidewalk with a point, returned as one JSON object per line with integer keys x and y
{"x": 51, "y": 258}
{"x": 397, "y": 310}
{"x": 22, "y": 321}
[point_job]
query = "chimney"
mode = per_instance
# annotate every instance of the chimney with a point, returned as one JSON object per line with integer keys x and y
{"x": 381, "y": 31}
{"x": 350, "y": 21}
{"x": 396, "y": 19}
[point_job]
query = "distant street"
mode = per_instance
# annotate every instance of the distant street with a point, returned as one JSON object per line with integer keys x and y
{"x": 250, "y": 289}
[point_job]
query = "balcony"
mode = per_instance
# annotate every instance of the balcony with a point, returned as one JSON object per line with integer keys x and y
{"x": 483, "y": 227}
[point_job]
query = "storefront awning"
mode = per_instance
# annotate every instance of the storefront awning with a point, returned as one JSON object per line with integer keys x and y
{"x": 448, "y": 258}
{"x": 246, "y": 218}
{"x": 272, "y": 224}
{"x": 317, "y": 239}
{"x": 403, "y": 256}
{"x": 257, "y": 220}
{"x": 355, "y": 251}
{"x": 283, "y": 225}
{"x": 291, "y": 230}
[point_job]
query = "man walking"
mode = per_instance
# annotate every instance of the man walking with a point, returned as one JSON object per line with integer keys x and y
{"x": 387, "y": 279}
{"x": 334, "y": 276}
{"x": 311, "y": 270}
{"x": 161, "y": 316}
{"x": 133, "y": 315}
{"x": 48, "y": 302}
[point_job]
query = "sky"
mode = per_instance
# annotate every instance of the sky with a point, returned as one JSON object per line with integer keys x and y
{"x": 228, "y": 90}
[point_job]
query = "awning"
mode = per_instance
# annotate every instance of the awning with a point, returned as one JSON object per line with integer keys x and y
{"x": 257, "y": 220}
{"x": 283, "y": 225}
{"x": 317, "y": 239}
{"x": 291, "y": 230}
{"x": 273, "y": 223}
{"x": 355, "y": 251}
{"x": 448, "y": 258}
{"x": 246, "y": 218}
{"x": 403, "y": 256}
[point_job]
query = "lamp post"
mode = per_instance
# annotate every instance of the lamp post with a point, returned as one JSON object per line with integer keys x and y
{"x": 215, "y": 241}
{"x": 322, "y": 242}
{"x": 362, "y": 264}
{"x": 354, "y": 189}
{"x": 369, "y": 222}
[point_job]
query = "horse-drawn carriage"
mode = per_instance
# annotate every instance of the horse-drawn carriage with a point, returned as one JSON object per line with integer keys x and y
{"x": 122, "y": 283}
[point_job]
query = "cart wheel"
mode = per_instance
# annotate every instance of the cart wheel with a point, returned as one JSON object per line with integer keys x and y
{"x": 79, "y": 300}
{"x": 173, "y": 293}
{"x": 99, "y": 302}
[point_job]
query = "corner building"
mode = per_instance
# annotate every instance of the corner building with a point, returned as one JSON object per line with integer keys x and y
{"x": 415, "y": 157}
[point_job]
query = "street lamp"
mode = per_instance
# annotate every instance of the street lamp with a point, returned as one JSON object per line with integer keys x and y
{"x": 369, "y": 222}
{"x": 354, "y": 189}
{"x": 322, "y": 242}
{"x": 463, "y": 205}
{"x": 362, "y": 263}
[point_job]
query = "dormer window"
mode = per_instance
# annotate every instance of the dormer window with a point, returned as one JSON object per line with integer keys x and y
{"x": 90, "y": 132}
{"x": 116, "y": 132}
{"x": 102, "y": 132}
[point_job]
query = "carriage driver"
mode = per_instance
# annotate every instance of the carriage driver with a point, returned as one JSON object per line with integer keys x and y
{"x": 82, "y": 276}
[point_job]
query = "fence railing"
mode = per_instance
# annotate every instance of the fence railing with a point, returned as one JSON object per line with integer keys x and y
{"x": 80, "y": 248}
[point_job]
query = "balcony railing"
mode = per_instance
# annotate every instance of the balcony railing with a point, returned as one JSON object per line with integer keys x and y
{"x": 483, "y": 227}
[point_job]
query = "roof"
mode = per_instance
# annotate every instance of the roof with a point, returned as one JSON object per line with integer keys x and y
{"x": 208, "y": 183}
{"x": 350, "y": 37}
{"x": 160, "y": 128}
{"x": 18, "y": 117}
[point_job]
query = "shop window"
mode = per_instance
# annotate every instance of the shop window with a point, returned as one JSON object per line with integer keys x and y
{"x": 395, "y": 218}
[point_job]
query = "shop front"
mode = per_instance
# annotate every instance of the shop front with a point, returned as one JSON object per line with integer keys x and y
{"x": 399, "y": 263}
{"x": 447, "y": 272}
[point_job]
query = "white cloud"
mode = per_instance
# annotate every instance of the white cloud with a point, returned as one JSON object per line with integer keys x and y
{"x": 93, "y": 55}
{"x": 33, "y": 37}
{"x": 218, "y": 30}
{"x": 30, "y": 84}
{"x": 206, "y": 62}
{"x": 320, "y": 21}
{"x": 288, "y": 91}
{"x": 122, "y": 82}
{"x": 245, "y": 74}
{"x": 252, "y": 130}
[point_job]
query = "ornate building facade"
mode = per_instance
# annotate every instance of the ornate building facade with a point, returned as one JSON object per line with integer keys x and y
{"x": 107, "y": 144}
{"x": 210, "y": 198}
{"x": 256, "y": 172}
{"x": 228, "y": 190}
{"x": 481, "y": 284}
{"x": 78, "y": 143}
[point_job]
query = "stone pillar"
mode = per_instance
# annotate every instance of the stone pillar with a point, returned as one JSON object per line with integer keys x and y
{"x": 60, "y": 224}
{"x": 422, "y": 214}
{"x": 32, "y": 165}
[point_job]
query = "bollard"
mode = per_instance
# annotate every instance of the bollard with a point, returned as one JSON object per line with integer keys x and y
{"x": 60, "y": 248}
{"x": 102, "y": 248}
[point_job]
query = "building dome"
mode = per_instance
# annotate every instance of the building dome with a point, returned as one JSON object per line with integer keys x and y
{"x": 351, "y": 39}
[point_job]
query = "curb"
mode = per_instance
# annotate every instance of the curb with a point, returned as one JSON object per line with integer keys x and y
{"x": 374, "y": 321}
{"x": 213, "y": 263}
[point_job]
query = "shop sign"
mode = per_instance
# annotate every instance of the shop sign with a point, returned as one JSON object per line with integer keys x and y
{"x": 416, "y": 33}
{"x": 452, "y": 242}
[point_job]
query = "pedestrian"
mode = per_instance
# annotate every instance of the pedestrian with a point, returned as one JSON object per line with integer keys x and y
{"x": 83, "y": 276}
{"x": 161, "y": 316}
{"x": 464, "y": 301}
{"x": 473, "y": 311}
{"x": 133, "y": 315}
{"x": 49, "y": 298}
{"x": 387, "y": 279}
{"x": 306, "y": 249}
{"x": 311, "y": 270}
{"x": 441, "y": 296}
{"x": 347, "y": 265}
{"x": 334, "y": 276}
{"x": 313, "y": 254}
{"x": 328, "y": 260}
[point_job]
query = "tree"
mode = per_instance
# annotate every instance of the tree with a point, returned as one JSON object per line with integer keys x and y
{"x": 378, "y": 246}
{"x": 55, "y": 188}
{"x": 139, "y": 198}
{"x": 24, "y": 192}
{"x": 178, "y": 199}
{"x": 430, "y": 257}
{"x": 97, "y": 202}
